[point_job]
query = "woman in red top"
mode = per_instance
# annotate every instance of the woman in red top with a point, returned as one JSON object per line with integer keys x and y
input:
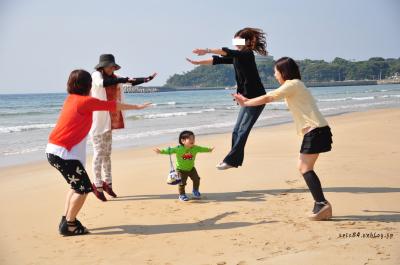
{"x": 66, "y": 150}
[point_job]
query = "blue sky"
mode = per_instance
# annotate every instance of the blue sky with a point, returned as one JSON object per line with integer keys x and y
{"x": 43, "y": 40}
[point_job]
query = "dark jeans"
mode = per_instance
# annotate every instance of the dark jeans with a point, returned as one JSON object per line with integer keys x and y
{"x": 192, "y": 174}
{"x": 246, "y": 119}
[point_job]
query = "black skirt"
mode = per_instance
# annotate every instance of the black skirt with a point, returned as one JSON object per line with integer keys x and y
{"x": 317, "y": 141}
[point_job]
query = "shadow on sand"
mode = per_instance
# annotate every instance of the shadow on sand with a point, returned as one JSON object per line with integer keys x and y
{"x": 207, "y": 224}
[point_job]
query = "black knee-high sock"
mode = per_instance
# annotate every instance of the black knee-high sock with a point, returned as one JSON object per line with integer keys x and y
{"x": 314, "y": 185}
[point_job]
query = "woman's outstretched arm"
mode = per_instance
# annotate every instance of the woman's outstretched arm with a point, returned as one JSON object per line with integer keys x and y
{"x": 213, "y": 51}
{"x": 122, "y": 106}
{"x": 140, "y": 80}
{"x": 261, "y": 100}
{"x": 201, "y": 62}
{"x": 203, "y": 52}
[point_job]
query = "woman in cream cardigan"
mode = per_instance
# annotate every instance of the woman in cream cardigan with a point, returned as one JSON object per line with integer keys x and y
{"x": 310, "y": 123}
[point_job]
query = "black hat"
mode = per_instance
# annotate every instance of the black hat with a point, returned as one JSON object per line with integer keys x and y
{"x": 106, "y": 60}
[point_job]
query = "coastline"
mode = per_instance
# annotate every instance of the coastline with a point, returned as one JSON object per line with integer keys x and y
{"x": 160, "y": 89}
{"x": 30, "y": 159}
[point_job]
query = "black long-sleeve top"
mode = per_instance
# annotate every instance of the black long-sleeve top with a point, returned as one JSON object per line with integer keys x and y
{"x": 110, "y": 80}
{"x": 246, "y": 73}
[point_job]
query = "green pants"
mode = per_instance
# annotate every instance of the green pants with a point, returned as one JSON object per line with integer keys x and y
{"x": 192, "y": 174}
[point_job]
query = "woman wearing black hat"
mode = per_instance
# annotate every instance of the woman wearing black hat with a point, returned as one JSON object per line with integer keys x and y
{"x": 107, "y": 85}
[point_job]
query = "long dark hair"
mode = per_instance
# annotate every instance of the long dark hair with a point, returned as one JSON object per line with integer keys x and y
{"x": 255, "y": 39}
{"x": 103, "y": 73}
{"x": 288, "y": 68}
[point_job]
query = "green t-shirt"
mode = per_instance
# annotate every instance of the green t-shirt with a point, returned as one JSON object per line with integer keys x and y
{"x": 185, "y": 156}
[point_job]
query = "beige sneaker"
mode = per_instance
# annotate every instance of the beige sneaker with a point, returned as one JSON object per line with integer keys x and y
{"x": 324, "y": 213}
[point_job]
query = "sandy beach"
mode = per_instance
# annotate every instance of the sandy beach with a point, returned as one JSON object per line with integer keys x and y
{"x": 252, "y": 215}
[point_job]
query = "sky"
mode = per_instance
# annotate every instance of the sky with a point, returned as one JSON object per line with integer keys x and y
{"x": 42, "y": 41}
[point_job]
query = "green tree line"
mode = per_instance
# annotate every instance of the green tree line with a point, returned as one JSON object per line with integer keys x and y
{"x": 311, "y": 71}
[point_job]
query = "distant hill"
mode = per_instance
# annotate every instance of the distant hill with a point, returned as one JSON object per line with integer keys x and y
{"x": 311, "y": 71}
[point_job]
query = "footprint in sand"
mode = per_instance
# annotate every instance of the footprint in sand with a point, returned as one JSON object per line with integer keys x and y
{"x": 298, "y": 198}
{"x": 292, "y": 182}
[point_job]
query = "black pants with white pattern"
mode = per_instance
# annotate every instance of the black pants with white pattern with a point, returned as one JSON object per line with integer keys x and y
{"x": 73, "y": 172}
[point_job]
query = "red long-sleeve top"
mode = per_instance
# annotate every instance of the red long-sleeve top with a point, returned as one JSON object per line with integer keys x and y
{"x": 75, "y": 119}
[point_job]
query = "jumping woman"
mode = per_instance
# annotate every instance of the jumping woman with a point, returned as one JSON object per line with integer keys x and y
{"x": 247, "y": 41}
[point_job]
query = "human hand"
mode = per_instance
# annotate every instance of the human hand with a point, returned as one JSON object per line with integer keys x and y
{"x": 158, "y": 151}
{"x": 151, "y": 77}
{"x": 193, "y": 61}
{"x": 144, "y": 105}
{"x": 200, "y": 52}
{"x": 240, "y": 99}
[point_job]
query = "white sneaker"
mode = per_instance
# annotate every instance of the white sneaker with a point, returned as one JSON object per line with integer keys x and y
{"x": 223, "y": 166}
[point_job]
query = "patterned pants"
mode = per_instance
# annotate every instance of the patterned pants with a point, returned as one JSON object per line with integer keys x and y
{"x": 73, "y": 172}
{"x": 102, "y": 158}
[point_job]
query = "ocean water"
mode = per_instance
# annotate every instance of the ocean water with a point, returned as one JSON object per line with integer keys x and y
{"x": 27, "y": 119}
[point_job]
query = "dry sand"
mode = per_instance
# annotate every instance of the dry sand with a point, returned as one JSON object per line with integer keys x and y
{"x": 252, "y": 215}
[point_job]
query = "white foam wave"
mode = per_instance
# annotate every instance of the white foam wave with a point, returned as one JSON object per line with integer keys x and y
{"x": 170, "y": 114}
{"x": 345, "y": 99}
{"x": 165, "y": 103}
{"x": 23, "y": 151}
{"x": 355, "y": 106}
{"x": 391, "y": 96}
{"x": 22, "y": 128}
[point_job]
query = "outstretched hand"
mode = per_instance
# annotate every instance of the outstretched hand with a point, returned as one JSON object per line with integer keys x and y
{"x": 151, "y": 77}
{"x": 144, "y": 105}
{"x": 158, "y": 151}
{"x": 193, "y": 61}
{"x": 240, "y": 99}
